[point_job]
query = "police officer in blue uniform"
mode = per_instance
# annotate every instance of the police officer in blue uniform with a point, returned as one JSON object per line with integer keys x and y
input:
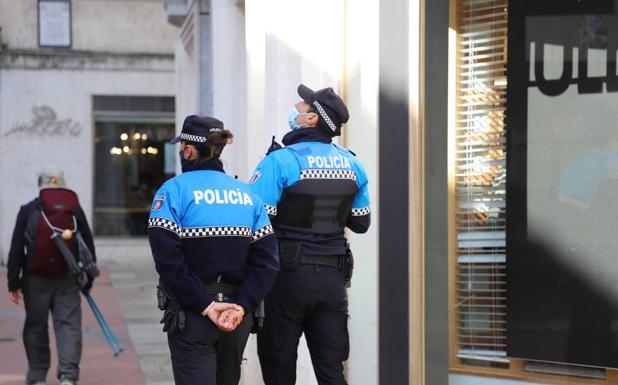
{"x": 216, "y": 254}
{"x": 312, "y": 189}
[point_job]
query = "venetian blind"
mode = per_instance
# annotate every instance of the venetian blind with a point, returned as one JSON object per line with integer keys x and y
{"x": 480, "y": 178}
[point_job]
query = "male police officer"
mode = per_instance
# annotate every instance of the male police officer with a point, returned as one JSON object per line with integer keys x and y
{"x": 212, "y": 241}
{"x": 312, "y": 189}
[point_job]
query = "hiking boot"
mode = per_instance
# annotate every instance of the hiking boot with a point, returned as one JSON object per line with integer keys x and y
{"x": 67, "y": 381}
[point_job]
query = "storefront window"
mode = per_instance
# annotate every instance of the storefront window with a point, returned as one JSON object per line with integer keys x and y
{"x": 561, "y": 237}
{"x": 132, "y": 159}
{"x": 535, "y": 175}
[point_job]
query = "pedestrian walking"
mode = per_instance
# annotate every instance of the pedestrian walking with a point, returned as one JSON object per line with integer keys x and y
{"x": 38, "y": 272}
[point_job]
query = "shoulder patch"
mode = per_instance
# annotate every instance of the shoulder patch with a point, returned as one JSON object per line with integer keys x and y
{"x": 158, "y": 202}
{"x": 256, "y": 175}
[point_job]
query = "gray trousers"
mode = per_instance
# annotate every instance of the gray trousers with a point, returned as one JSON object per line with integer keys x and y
{"x": 60, "y": 295}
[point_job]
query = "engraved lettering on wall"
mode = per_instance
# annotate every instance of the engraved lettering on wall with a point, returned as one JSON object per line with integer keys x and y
{"x": 44, "y": 121}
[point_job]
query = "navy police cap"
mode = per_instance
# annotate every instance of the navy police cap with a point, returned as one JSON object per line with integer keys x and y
{"x": 196, "y": 128}
{"x": 328, "y": 105}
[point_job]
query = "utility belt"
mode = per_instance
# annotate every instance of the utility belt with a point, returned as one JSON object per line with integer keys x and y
{"x": 221, "y": 291}
{"x": 291, "y": 256}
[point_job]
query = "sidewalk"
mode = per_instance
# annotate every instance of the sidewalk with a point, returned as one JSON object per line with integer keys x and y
{"x": 98, "y": 365}
{"x": 126, "y": 294}
{"x": 135, "y": 280}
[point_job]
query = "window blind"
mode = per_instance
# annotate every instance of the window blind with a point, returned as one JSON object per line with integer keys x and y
{"x": 480, "y": 180}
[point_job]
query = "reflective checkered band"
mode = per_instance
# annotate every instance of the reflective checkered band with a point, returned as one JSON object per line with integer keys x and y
{"x": 202, "y": 232}
{"x": 216, "y": 231}
{"x": 320, "y": 173}
{"x": 360, "y": 212}
{"x": 164, "y": 224}
{"x": 270, "y": 210}
{"x": 193, "y": 138}
{"x": 262, "y": 232}
{"x": 324, "y": 115}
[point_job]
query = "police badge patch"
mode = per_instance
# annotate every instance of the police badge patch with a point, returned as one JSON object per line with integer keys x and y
{"x": 255, "y": 177}
{"x": 158, "y": 202}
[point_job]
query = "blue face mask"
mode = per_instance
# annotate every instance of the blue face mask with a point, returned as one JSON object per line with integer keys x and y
{"x": 292, "y": 118}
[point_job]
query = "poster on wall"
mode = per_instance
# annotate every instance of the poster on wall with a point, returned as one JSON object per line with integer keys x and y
{"x": 562, "y": 185}
{"x": 54, "y": 23}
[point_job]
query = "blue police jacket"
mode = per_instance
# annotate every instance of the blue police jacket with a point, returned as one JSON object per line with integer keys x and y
{"x": 205, "y": 225}
{"x": 313, "y": 189}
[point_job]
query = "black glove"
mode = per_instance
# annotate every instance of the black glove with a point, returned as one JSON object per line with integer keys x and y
{"x": 88, "y": 285}
{"x": 173, "y": 320}
{"x": 258, "y": 318}
{"x": 173, "y": 317}
{"x": 83, "y": 280}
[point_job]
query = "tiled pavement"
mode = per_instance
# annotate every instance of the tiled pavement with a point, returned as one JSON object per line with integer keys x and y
{"x": 98, "y": 364}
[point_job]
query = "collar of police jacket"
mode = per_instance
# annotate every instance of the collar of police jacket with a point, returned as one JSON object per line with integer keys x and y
{"x": 306, "y": 135}
{"x": 203, "y": 164}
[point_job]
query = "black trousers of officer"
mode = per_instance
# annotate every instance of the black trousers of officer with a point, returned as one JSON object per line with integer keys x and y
{"x": 204, "y": 355}
{"x": 310, "y": 299}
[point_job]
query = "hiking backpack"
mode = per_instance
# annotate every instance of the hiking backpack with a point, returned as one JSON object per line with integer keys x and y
{"x": 56, "y": 210}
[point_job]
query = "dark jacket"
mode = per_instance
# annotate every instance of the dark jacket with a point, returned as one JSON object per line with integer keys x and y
{"x": 198, "y": 237}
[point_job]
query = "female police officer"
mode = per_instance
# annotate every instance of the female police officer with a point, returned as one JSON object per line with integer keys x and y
{"x": 216, "y": 255}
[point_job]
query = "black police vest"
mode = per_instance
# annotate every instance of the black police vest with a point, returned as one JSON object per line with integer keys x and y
{"x": 319, "y": 206}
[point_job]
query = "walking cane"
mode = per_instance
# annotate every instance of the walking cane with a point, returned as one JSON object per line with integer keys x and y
{"x": 108, "y": 333}
{"x": 57, "y": 237}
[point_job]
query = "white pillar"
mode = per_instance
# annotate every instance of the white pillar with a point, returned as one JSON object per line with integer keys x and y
{"x": 229, "y": 56}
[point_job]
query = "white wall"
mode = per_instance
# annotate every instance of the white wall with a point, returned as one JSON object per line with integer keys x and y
{"x": 361, "y": 136}
{"x": 98, "y": 25}
{"x": 280, "y": 55}
{"x": 69, "y": 93}
{"x": 282, "y": 52}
